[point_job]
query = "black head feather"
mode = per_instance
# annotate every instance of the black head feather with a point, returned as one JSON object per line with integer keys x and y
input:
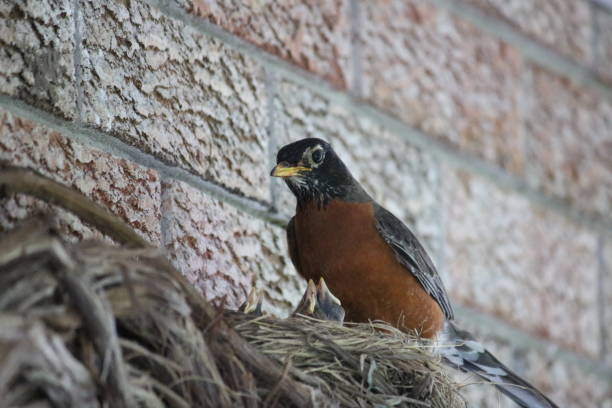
{"x": 325, "y": 176}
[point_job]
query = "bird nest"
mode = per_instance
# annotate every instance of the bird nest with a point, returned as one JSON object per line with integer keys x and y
{"x": 94, "y": 325}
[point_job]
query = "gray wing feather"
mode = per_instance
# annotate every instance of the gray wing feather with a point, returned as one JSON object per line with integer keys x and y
{"x": 461, "y": 350}
{"x": 412, "y": 256}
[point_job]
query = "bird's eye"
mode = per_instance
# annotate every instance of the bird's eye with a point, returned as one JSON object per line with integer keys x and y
{"x": 317, "y": 156}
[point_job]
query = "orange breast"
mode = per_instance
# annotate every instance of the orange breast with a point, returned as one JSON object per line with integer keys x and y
{"x": 341, "y": 244}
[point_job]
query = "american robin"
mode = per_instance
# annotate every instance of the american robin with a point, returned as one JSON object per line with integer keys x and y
{"x": 375, "y": 264}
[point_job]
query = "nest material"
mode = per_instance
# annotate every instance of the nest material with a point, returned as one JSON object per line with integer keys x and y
{"x": 92, "y": 325}
{"x": 355, "y": 365}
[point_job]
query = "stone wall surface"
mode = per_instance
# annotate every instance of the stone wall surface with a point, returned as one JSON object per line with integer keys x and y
{"x": 440, "y": 74}
{"x": 37, "y": 54}
{"x": 603, "y": 45}
{"x": 565, "y": 382}
{"x": 605, "y": 292}
{"x": 565, "y": 26}
{"x": 492, "y": 265}
{"x": 314, "y": 35}
{"x": 225, "y": 252}
{"x": 125, "y": 188}
{"x": 173, "y": 92}
{"x": 484, "y": 125}
{"x": 569, "y": 150}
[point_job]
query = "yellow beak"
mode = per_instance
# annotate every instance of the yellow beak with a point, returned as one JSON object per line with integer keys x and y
{"x": 283, "y": 169}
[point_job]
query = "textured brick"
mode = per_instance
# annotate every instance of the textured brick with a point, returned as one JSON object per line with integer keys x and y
{"x": 126, "y": 189}
{"x": 561, "y": 24}
{"x": 603, "y": 45}
{"x": 17, "y": 208}
{"x": 175, "y": 93}
{"x": 569, "y": 148}
{"x": 36, "y": 53}
{"x": 313, "y": 34}
{"x": 400, "y": 176}
{"x": 224, "y": 252}
{"x": 526, "y": 265}
{"x": 444, "y": 76}
{"x": 564, "y": 382}
{"x": 606, "y": 300}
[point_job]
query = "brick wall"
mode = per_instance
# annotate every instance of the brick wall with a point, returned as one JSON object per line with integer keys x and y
{"x": 485, "y": 124}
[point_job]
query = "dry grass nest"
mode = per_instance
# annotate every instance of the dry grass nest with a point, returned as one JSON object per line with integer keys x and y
{"x": 95, "y": 325}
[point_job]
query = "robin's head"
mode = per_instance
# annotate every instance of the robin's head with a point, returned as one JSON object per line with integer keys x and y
{"x": 313, "y": 171}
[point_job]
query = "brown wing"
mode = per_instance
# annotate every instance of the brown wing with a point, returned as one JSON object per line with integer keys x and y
{"x": 291, "y": 240}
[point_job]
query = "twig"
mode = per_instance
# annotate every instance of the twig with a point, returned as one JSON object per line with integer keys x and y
{"x": 272, "y": 395}
{"x": 103, "y": 334}
{"x": 15, "y": 180}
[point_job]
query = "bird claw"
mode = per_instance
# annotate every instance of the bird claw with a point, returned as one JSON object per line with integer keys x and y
{"x": 253, "y": 303}
{"x": 319, "y": 302}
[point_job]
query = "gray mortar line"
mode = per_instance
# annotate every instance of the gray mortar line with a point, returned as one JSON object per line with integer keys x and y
{"x": 523, "y": 106}
{"x": 249, "y": 49}
{"x": 270, "y": 86}
{"x": 112, "y": 145}
{"x": 494, "y": 327}
{"x": 77, "y": 60}
{"x": 103, "y": 142}
{"x": 165, "y": 220}
{"x": 441, "y": 202}
{"x": 593, "y": 9}
{"x": 602, "y": 271}
{"x": 356, "y": 51}
{"x": 458, "y": 159}
{"x": 465, "y": 161}
{"x": 532, "y": 50}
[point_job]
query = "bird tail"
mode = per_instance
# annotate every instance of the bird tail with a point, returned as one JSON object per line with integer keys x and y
{"x": 461, "y": 350}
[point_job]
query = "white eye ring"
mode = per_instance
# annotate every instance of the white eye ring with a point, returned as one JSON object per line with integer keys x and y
{"x": 316, "y": 156}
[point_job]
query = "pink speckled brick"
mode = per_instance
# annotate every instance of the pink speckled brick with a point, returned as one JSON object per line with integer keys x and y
{"x": 603, "y": 45}
{"x": 569, "y": 148}
{"x": 37, "y": 54}
{"x": 527, "y": 265}
{"x": 566, "y": 383}
{"x": 171, "y": 91}
{"x": 606, "y": 298}
{"x": 125, "y": 188}
{"x": 444, "y": 76}
{"x": 313, "y": 34}
{"x": 224, "y": 252}
{"x": 560, "y": 24}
